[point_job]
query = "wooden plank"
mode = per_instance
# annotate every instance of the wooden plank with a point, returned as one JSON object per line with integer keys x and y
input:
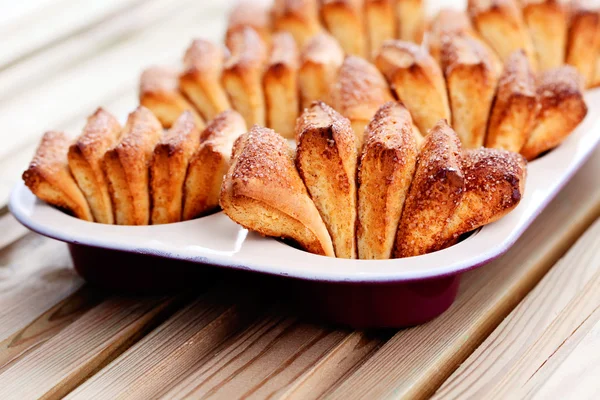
{"x": 50, "y": 22}
{"x": 524, "y": 326}
{"x": 415, "y": 362}
{"x": 172, "y": 350}
{"x": 60, "y": 364}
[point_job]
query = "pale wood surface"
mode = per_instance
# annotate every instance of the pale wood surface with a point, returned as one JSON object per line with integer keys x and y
{"x": 525, "y": 326}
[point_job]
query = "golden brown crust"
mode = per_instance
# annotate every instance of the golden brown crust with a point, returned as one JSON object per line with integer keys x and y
{"x": 548, "y": 23}
{"x": 417, "y": 80}
{"x": 242, "y": 75}
{"x": 562, "y": 108}
{"x": 345, "y": 21}
{"x": 210, "y": 163}
{"x": 201, "y": 80}
{"x": 434, "y": 194}
{"x": 358, "y": 93}
{"x": 249, "y": 14}
{"x": 386, "y": 170}
{"x": 168, "y": 169}
{"x": 494, "y": 186}
{"x": 85, "y": 156}
{"x": 447, "y": 22}
{"x": 263, "y": 192}
{"x": 281, "y": 85}
{"x": 126, "y": 168}
{"x": 159, "y": 92}
{"x": 514, "y": 110}
{"x": 298, "y": 17}
{"x": 326, "y": 160}
{"x": 49, "y": 178}
{"x": 471, "y": 80}
{"x": 500, "y": 23}
{"x": 320, "y": 61}
{"x": 411, "y": 20}
{"x": 381, "y": 23}
{"x": 584, "y": 42}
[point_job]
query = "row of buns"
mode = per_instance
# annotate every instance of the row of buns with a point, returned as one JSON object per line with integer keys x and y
{"x": 392, "y": 199}
{"x": 493, "y": 93}
{"x": 138, "y": 174}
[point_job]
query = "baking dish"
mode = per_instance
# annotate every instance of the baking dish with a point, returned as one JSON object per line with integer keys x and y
{"x": 359, "y": 293}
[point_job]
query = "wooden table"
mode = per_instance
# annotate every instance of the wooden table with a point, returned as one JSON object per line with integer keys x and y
{"x": 527, "y": 325}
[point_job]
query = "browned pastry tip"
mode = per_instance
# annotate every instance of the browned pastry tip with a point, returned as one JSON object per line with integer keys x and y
{"x": 494, "y": 186}
{"x": 320, "y": 61}
{"x": 515, "y": 107}
{"x": 298, "y": 17}
{"x": 242, "y": 75}
{"x": 381, "y": 23}
{"x": 263, "y": 192}
{"x": 159, "y": 92}
{"x": 85, "y": 156}
{"x": 281, "y": 85}
{"x": 548, "y": 25}
{"x": 447, "y": 22}
{"x": 435, "y": 192}
{"x": 417, "y": 80}
{"x": 358, "y": 93}
{"x": 583, "y": 47}
{"x": 201, "y": 79}
{"x": 326, "y": 159}
{"x": 49, "y": 178}
{"x": 387, "y": 165}
{"x": 126, "y": 168}
{"x": 471, "y": 80}
{"x": 249, "y": 14}
{"x": 210, "y": 163}
{"x": 562, "y": 108}
{"x": 345, "y": 21}
{"x": 168, "y": 169}
{"x": 411, "y": 20}
{"x": 501, "y": 24}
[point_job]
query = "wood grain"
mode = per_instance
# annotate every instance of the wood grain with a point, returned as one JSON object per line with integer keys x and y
{"x": 415, "y": 362}
{"x": 60, "y": 364}
{"x": 524, "y": 326}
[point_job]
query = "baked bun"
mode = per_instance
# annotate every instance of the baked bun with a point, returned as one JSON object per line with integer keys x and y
{"x": 548, "y": 25}
{"x": 471, "y": 80}
{"x": 49, "y": 178}
{"x": 326, "y": 159}
{"x": 494, "y": 186}
{"x": 515, "y": 107}
{"x": 417, "y": 80}
{"x": 159, "y": 92}
{"x": 387, "y": 165}
{"x": 281, "y": 85}
{"x": 500, "y": 23}
{"x": 298, "y": 17}
{"x": 583, "y": 45}
{"x": 435, "y": 192}
{"x": 210, "y": 163}
{"x": 168, "y": 169}
{"x": 358, "y": 93}
{"x": 126, "y": 168}
{"x": 381, "y": 23}
{"x": 446, "y": 23}
{"x": 562, "y": 108}
{"x": 85, "y": 156}
{"x": 320, "y": 61}
{"x": 242, "y": 75}
{"x": 345, "y": 21}
{"x": 201, "y": 80}
{"x": 249, "y": 14}
{"x": 411, "y": 20}
{"x": 263, "y": 192}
